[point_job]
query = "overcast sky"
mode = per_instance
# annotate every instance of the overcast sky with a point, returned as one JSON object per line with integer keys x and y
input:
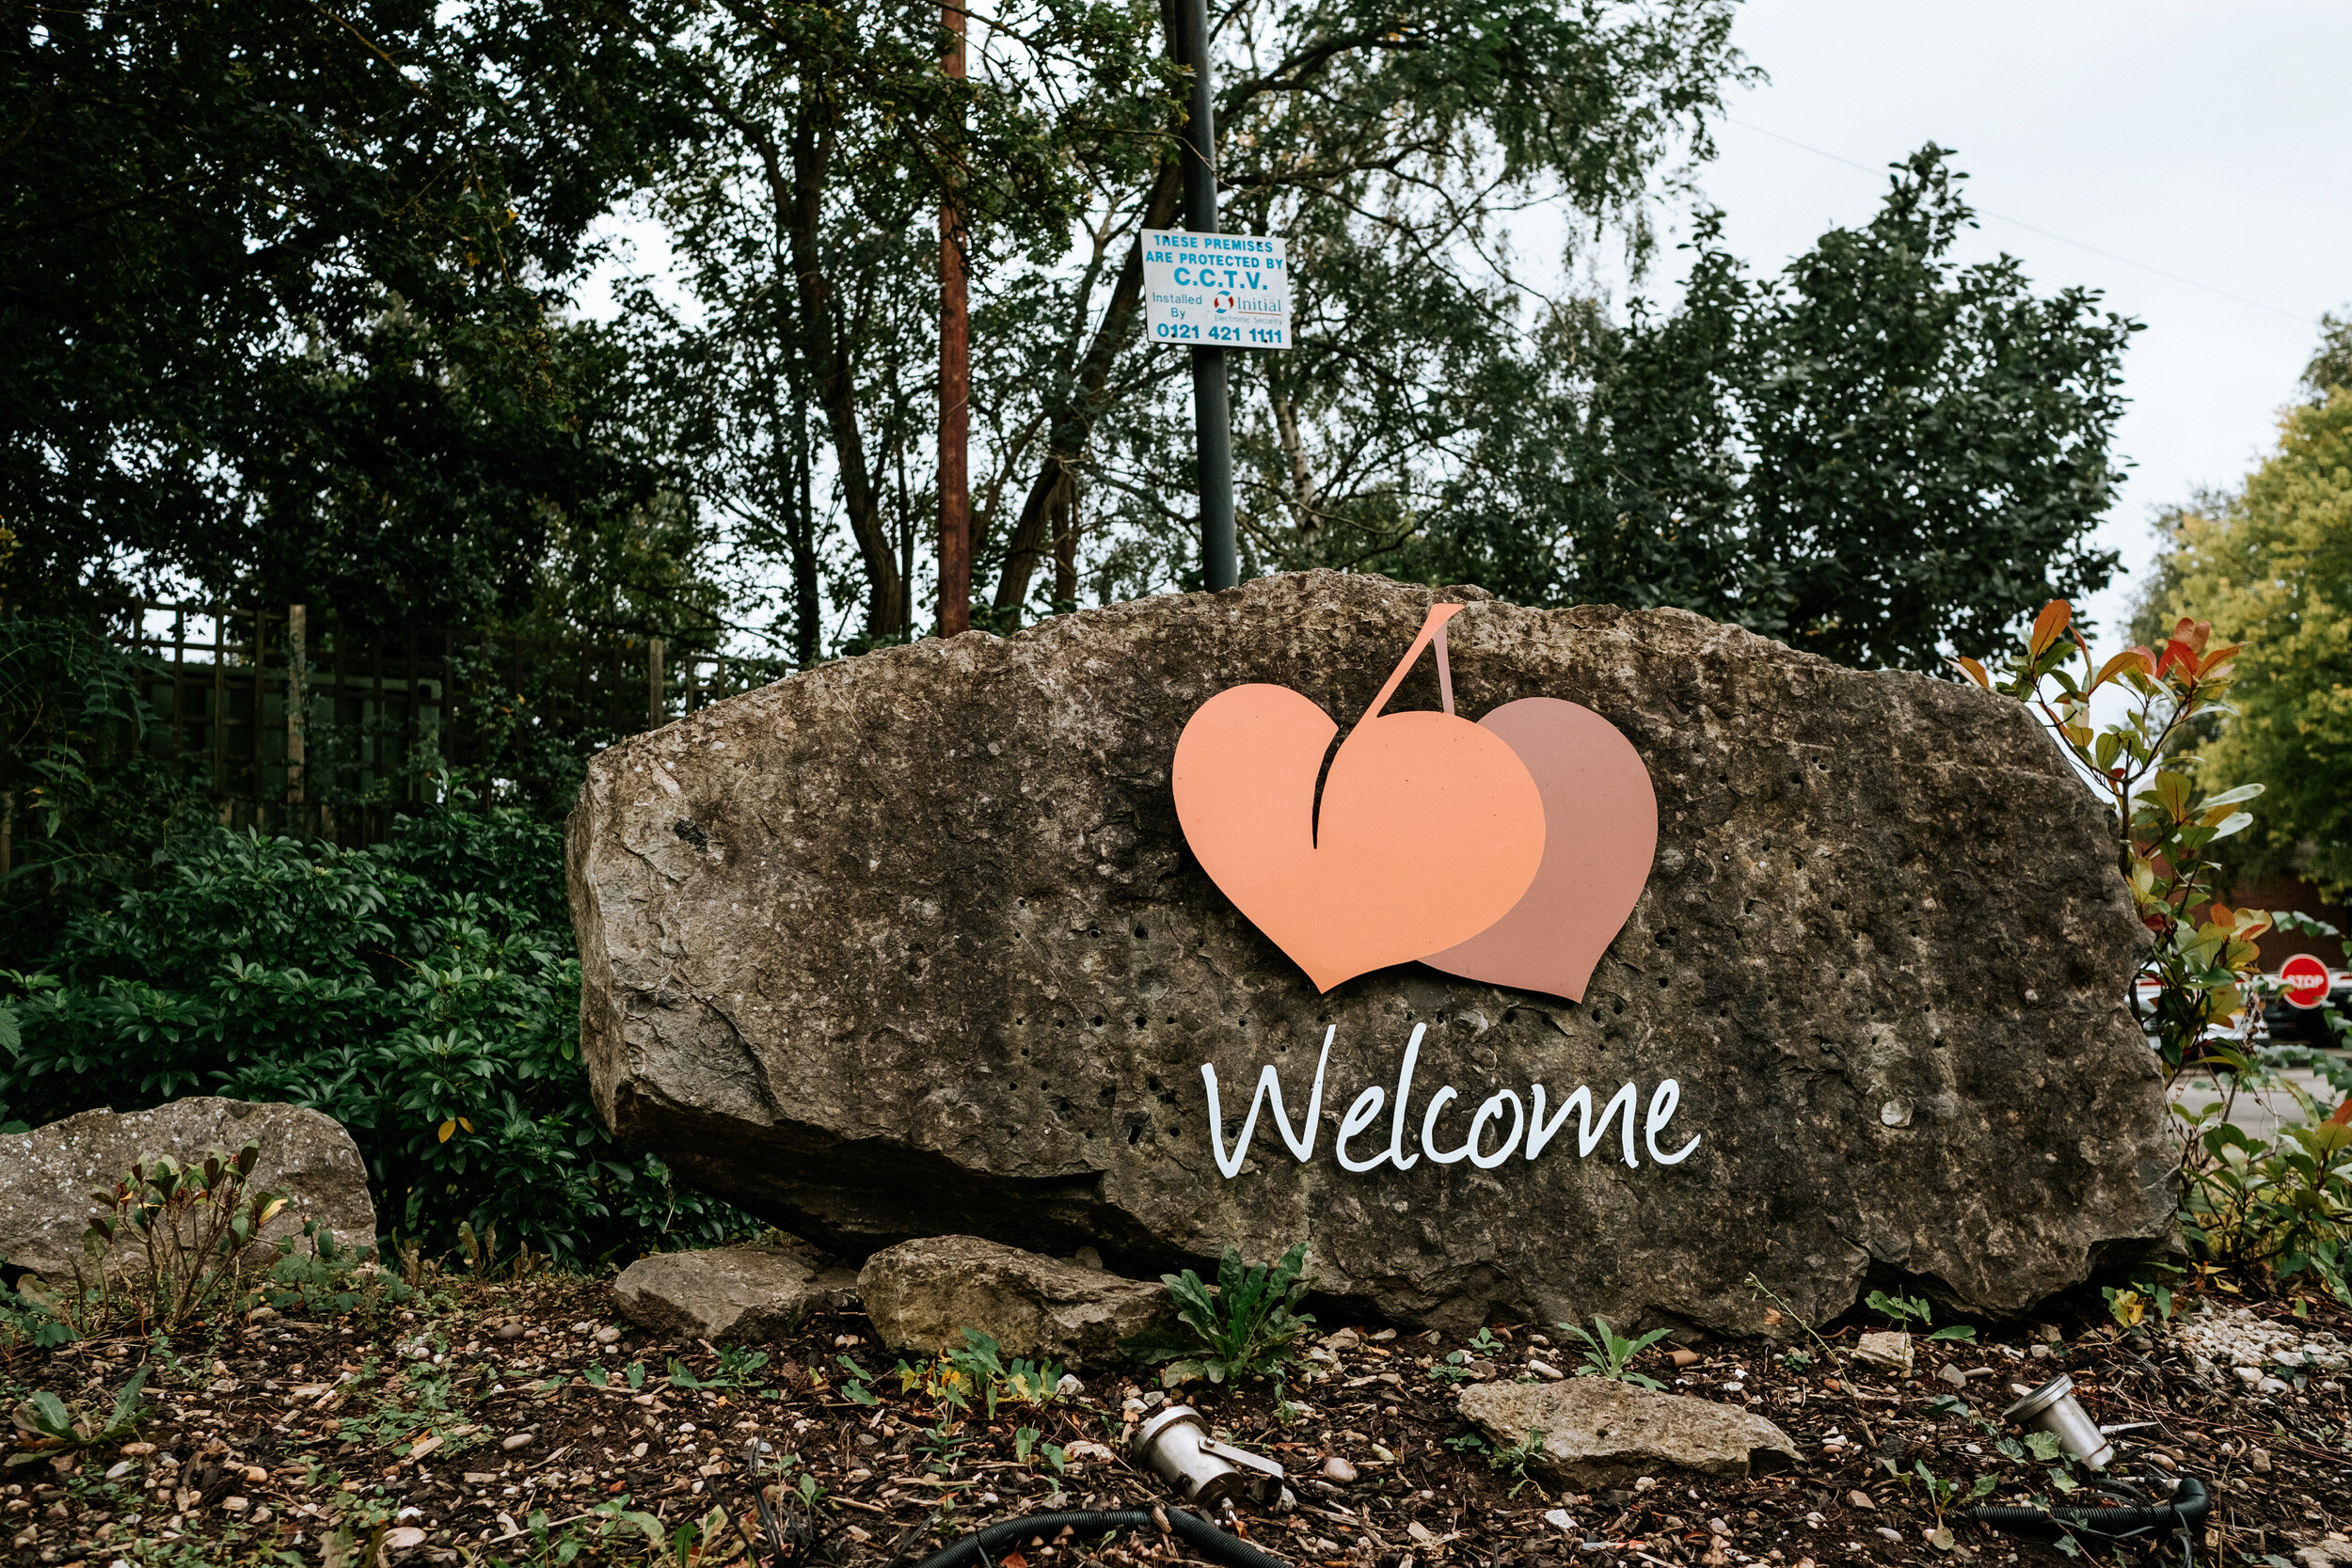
{"x": 2205, "y": 141}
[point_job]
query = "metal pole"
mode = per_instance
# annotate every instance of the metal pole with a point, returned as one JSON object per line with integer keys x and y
{"x": 955, "y": 391}
{"x": 1212, "y": 414}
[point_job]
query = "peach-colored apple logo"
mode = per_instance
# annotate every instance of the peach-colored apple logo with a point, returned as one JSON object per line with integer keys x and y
{"x": 1510, "y": 850}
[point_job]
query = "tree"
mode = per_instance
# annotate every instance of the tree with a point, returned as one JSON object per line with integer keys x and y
{"x": 2270, "y": 565}
{"x": 278, "y": 296}
{"x": 805, "y": 213}
{"x": 1876, "y": 456}
{"x": 1389, "y": 145}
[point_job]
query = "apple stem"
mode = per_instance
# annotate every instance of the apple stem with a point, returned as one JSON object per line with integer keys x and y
{"x": 1432, "y": 630}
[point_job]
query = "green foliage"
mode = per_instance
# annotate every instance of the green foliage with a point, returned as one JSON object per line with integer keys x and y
{"x": 2269, "y": 566}
{"x": 2165, "y": 822}
{"x": 955, "y": 1378}
{"x": 423, "y": 993}
{"x": 1608, "y": 1354}
{"x": 2281, "y": 1203}
{"x": 1242, "y": 1327}
{"x": 1510, "y": 1461}
{"x": 46, "y": 1425}
{"x": 279, "y": 294}
{"x": 1902, "y": 1311}
{"x": 981, "y": 1363}
{"x": 1872, "y": 454}
{"x": 92, "y": 805}
{"x": 191, "y": 1232}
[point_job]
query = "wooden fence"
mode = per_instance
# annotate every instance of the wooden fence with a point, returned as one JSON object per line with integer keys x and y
{"x": 301, "y": 726}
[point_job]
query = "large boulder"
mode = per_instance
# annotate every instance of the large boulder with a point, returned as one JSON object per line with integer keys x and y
{"x": 912, "y": 944}
{"x": 48, "y": 1175}
{"x": 923, "y": 1294}
{"x": 1591, "y": 1432}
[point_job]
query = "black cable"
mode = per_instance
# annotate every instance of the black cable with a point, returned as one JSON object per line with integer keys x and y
{"x": 2184, "y": 1512}
{"x": 985, "y": 1545}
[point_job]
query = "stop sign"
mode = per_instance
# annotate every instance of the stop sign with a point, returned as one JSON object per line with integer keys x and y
{"x": 2305, "y": 979}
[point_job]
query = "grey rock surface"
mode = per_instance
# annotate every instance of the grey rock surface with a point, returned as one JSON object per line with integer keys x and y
{"x": 910, "y": 944}
{"x": 923, "y": 1294}
{"x": 47, "y": 1175}
{"x": 740, "y": 1293}
{"x": 1597, "y": 1433}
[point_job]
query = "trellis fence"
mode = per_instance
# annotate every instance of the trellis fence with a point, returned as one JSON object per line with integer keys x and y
{"x": 301, "y": 726}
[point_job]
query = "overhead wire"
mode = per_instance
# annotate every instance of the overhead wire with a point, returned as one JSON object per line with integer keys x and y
{"x": 2035, "y": 228}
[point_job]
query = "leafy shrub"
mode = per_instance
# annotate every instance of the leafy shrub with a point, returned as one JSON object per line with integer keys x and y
{"x": 1241, "y": 1328}
{"x": 191, "y": 1231}
{"x": 2278, "y": 1204}
{"x": 423, "y": 993}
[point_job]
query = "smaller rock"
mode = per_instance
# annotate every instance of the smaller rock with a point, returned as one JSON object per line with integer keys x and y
{"x": 2037, "y": 1353}
{"x": 1596, "y": 1431}
{"x": 506, "y": 1331}
{"x": 1337, "y": 1470}
{"x": 1683, "y": 1357}
{"x": 518, "y": 1440}
{"x": 1558, "y": 1519}
{"x": 2247, "y": 1376}
{"x": 1546, "y": 1370}
{"x": 923, "y": 1294}
{"x": 403, "y": 1539}
{"x": 1885, "y": 1349}
{"x": 1952, "y": 1375}
{"x": 1088, "y": 1257}
{"x": 2273, "y": 1385}
{"x": 47, "y": 1176}
{"x": 1894, "y": 1535}
{"x": 1345, "y": 1339}
{"x": 608, "y": 1334}
{"x": 1070, "y": 1386}
{"x": 2047, "y": 1333}
{"x": 737, "y": 1294}
{"x": 1859, "y": 1498}
{"x": 1081, "y": 1452}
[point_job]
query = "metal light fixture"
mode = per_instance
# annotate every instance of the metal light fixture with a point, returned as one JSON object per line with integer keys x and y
{"x": 1176, "y": 1443}
{"x": 2051, "y": 1408}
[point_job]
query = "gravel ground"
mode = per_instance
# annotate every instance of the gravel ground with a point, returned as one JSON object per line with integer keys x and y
{"x": 494, "y": 1424}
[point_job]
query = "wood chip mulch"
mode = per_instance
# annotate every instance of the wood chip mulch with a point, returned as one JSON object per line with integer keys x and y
{"x": 516, "y": 1425}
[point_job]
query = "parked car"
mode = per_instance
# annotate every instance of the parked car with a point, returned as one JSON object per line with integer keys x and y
{"x": 2288, "y": 1023}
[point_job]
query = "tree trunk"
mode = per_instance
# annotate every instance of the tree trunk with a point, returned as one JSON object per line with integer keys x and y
{"x": 1073, "y": 421}
{"x": 1065, "y": 524}
{"x": 834, "y": 363}
{"x": 806, "y": 605}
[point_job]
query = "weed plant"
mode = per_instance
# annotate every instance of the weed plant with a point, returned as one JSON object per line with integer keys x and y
{"x": 1242, "y": 1326}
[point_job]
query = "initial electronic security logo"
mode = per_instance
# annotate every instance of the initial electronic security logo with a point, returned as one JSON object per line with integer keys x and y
{"x": 1542, "y": 816}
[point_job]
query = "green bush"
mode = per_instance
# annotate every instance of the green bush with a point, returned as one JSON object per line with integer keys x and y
{"x": 423, "y": 993}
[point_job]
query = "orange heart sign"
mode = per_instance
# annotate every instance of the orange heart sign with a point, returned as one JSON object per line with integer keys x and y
{"x": 1600, "y": 834}
{"x": 1510, "y": 850}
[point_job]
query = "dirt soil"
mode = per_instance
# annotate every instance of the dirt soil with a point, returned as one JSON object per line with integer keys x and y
{"x": 522, "y": 1423}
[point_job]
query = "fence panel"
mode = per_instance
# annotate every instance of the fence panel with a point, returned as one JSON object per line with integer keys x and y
{"x": 299, "y": 725}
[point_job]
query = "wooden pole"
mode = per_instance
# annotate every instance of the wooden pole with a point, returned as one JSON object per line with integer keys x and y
{"x": 653, "y": 683}
{"x": 297, "y": 650}
{"x": 955, "y": 389}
